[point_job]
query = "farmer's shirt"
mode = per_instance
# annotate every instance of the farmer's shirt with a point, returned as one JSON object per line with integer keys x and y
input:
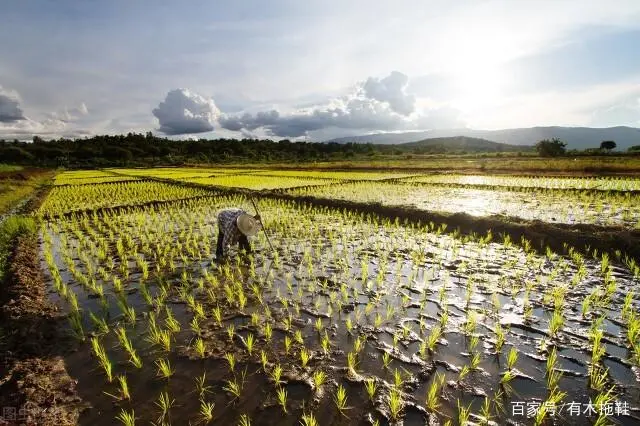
{"x": 227, "y": 225}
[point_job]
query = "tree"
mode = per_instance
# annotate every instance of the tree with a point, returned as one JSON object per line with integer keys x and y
{"x": 607, "y": 145}
{"x": 551, "y": 148}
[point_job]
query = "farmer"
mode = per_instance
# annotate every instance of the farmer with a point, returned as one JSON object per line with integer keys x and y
{"x": 235, "y": 225}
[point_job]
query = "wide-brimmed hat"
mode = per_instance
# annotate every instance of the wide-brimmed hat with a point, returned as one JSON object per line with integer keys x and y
{"x": 248, "y": 225}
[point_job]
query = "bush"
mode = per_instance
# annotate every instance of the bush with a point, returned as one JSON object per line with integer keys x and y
{"x": 551, "y": 148}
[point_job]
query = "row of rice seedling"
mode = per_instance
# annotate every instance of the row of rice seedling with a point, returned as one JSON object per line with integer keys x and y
{"x": 65, "y": 199}
{"x": 590, "y": 207}
{"x": 327, "y": 174}
{"x": 81, "y": 177}
{"x": 179, "y": 172}
{"x": 251, "y": 181}
{"x": 604, "y": 183}
{"x": 372, "y": 317}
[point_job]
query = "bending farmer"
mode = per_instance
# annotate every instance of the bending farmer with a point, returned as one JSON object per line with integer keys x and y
{"x": 235, "y": 225}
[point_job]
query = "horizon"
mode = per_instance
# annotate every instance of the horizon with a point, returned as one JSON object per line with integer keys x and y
{"x": 316, "y": 71}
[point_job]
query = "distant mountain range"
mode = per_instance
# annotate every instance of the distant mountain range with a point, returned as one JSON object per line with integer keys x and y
{"x": 575, "y": 137}
{"x": 462, "y": 143}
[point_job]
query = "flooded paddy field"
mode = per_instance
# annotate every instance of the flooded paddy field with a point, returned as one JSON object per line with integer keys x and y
{"x": 547, "y": 205}
{"x": 350, "y": 318}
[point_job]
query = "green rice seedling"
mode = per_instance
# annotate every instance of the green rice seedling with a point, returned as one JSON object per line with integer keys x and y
{"x": 164, "y": 368}
{"x": 282, "y": 398}
{"x": 464, "y": 372}
{"x": 386, "y": 360}
{"x": 268, "y": 331}
{"x": 195, "y": 325}
{"x": 199, "y": 347}
{"x": 217, "y": 315}
{"x": 340, "y": 399}
{"x": 234, "y": 388}
{"x": 553, "y": 400}
{"x": 287, "y": 344}
{"x": 103, "y": 358}
{"x": 75, "y": 320}
{"x": 318, "y": 378}
{"x": 231, "y": 360}
{"x": 276, "y": 374}
{"x": 124, "y": 388}
{"x": 512, "y": 357}
{"x": 433, "y": 338}
{"x": 164, "y": 337}
{"x": 264, "y": 360}
{"x": 485, "y": 412}
{"x": 395, "y": 403}
{"x": 474, "y": 363}
{"x": 308, "y": 420}
{"x": 297, "y": 336}
{"x": 370, "y": 386}
{"x": 206, "y": 411}
{"x": 397, "y": 379}
{"x": 463, "y": 413}
{"x": 349, "y": 325}
{"x": 201, "y": 385}
{"x": 325, "y": 343}
{"x": 318, "y": 325}
{"x": 231, "y": 332}
{"x": 505, "y": 381}
{"x": 553, "y": 379}
{"x": 551, "y": 360}
{"x": 598, "y": 377}
{"x": 352, "y": 364}
{"x": 249, "y": 343}
{"x": 471, "y": 323}
{"x": 100, "y": 324}
{"x": 433, "y": 394}
{"x": 555, "y": 323}
{"x": 171, "y": 322}
{"x": 126, "y": 418}
{"x": 244, "y": 420}
{"x": 305, "y": 356}
{"x": 165, "y": 403}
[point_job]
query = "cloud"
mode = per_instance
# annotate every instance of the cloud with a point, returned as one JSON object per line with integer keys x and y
{"x": 185, "y": 112}
{"x": 374, "y": 105}
{"x": 391, "y": 89}
{"x": 10, "y": 110}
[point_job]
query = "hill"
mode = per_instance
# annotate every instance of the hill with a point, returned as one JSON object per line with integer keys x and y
{"x": 576, "y": 137}
{"x": 462, "y": 143}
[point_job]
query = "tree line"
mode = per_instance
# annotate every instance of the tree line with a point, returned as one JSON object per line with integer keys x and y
{"x": 138, "y": 149}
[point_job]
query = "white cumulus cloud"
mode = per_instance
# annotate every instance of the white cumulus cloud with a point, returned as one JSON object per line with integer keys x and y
{"x": 185, "y": 112}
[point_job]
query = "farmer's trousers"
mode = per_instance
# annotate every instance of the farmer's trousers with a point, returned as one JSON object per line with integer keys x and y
{"x": 243, "y": 243}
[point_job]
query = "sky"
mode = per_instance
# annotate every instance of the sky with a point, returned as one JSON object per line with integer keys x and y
{"x": 314, "y": 70}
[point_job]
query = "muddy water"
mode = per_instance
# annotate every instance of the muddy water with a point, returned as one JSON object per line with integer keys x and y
{"x": 411, "y": 275}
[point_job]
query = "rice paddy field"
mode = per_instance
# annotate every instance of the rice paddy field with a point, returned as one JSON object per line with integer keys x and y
{"x": 342, "y": 316}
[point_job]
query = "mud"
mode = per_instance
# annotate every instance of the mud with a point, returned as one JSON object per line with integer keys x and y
{"x": 35, "y": 388}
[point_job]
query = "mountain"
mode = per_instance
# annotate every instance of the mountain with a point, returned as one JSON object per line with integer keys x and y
{"x": 462, "y": 143}
{"x": 576, "y": 137}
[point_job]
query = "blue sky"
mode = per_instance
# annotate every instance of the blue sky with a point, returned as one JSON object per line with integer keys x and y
{"x": 316, "y": 69}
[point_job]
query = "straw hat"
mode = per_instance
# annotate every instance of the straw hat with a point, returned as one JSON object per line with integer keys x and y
{"x": 248, "y": 225}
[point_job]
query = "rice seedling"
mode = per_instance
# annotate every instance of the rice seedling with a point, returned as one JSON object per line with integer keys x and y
{"x": 127, "y": 418}
{"x": 395, "y": 403}
{"x": 305, "y": 356}
{"x": 164, "y": 368}
{"x": 206, "y": 411}
{"x": 318, "y": 378}
{"x": 352, "y": 364}
{"x": 282, "y": 398}
{"x": 276, "y": 375}
{"x": 231, "y": 332}
{"x": 102, "y": 356}
{"x": 433, "y": 394}
{"x": 308, "y": 420}
{"x": 234, "y": 388}
{"x": 287, "y": 344}
{"x": 164, "y": 403}
{"x": 249, "y": 343}
{"x": 201, "y": 385}
{"x": 75, "y": 320}
{"x": 463, "y": 413}
{"x": 340, "y": 399}
{"x": 100, "y": 324}
{"x": 370, "y": 386}
{"x": 244, "y": 420}
{"x": 199, "y": 347}
{"x": 512, "y": 357}
{"x": 231, "y": 360}
{"x": 386, "y": 360}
